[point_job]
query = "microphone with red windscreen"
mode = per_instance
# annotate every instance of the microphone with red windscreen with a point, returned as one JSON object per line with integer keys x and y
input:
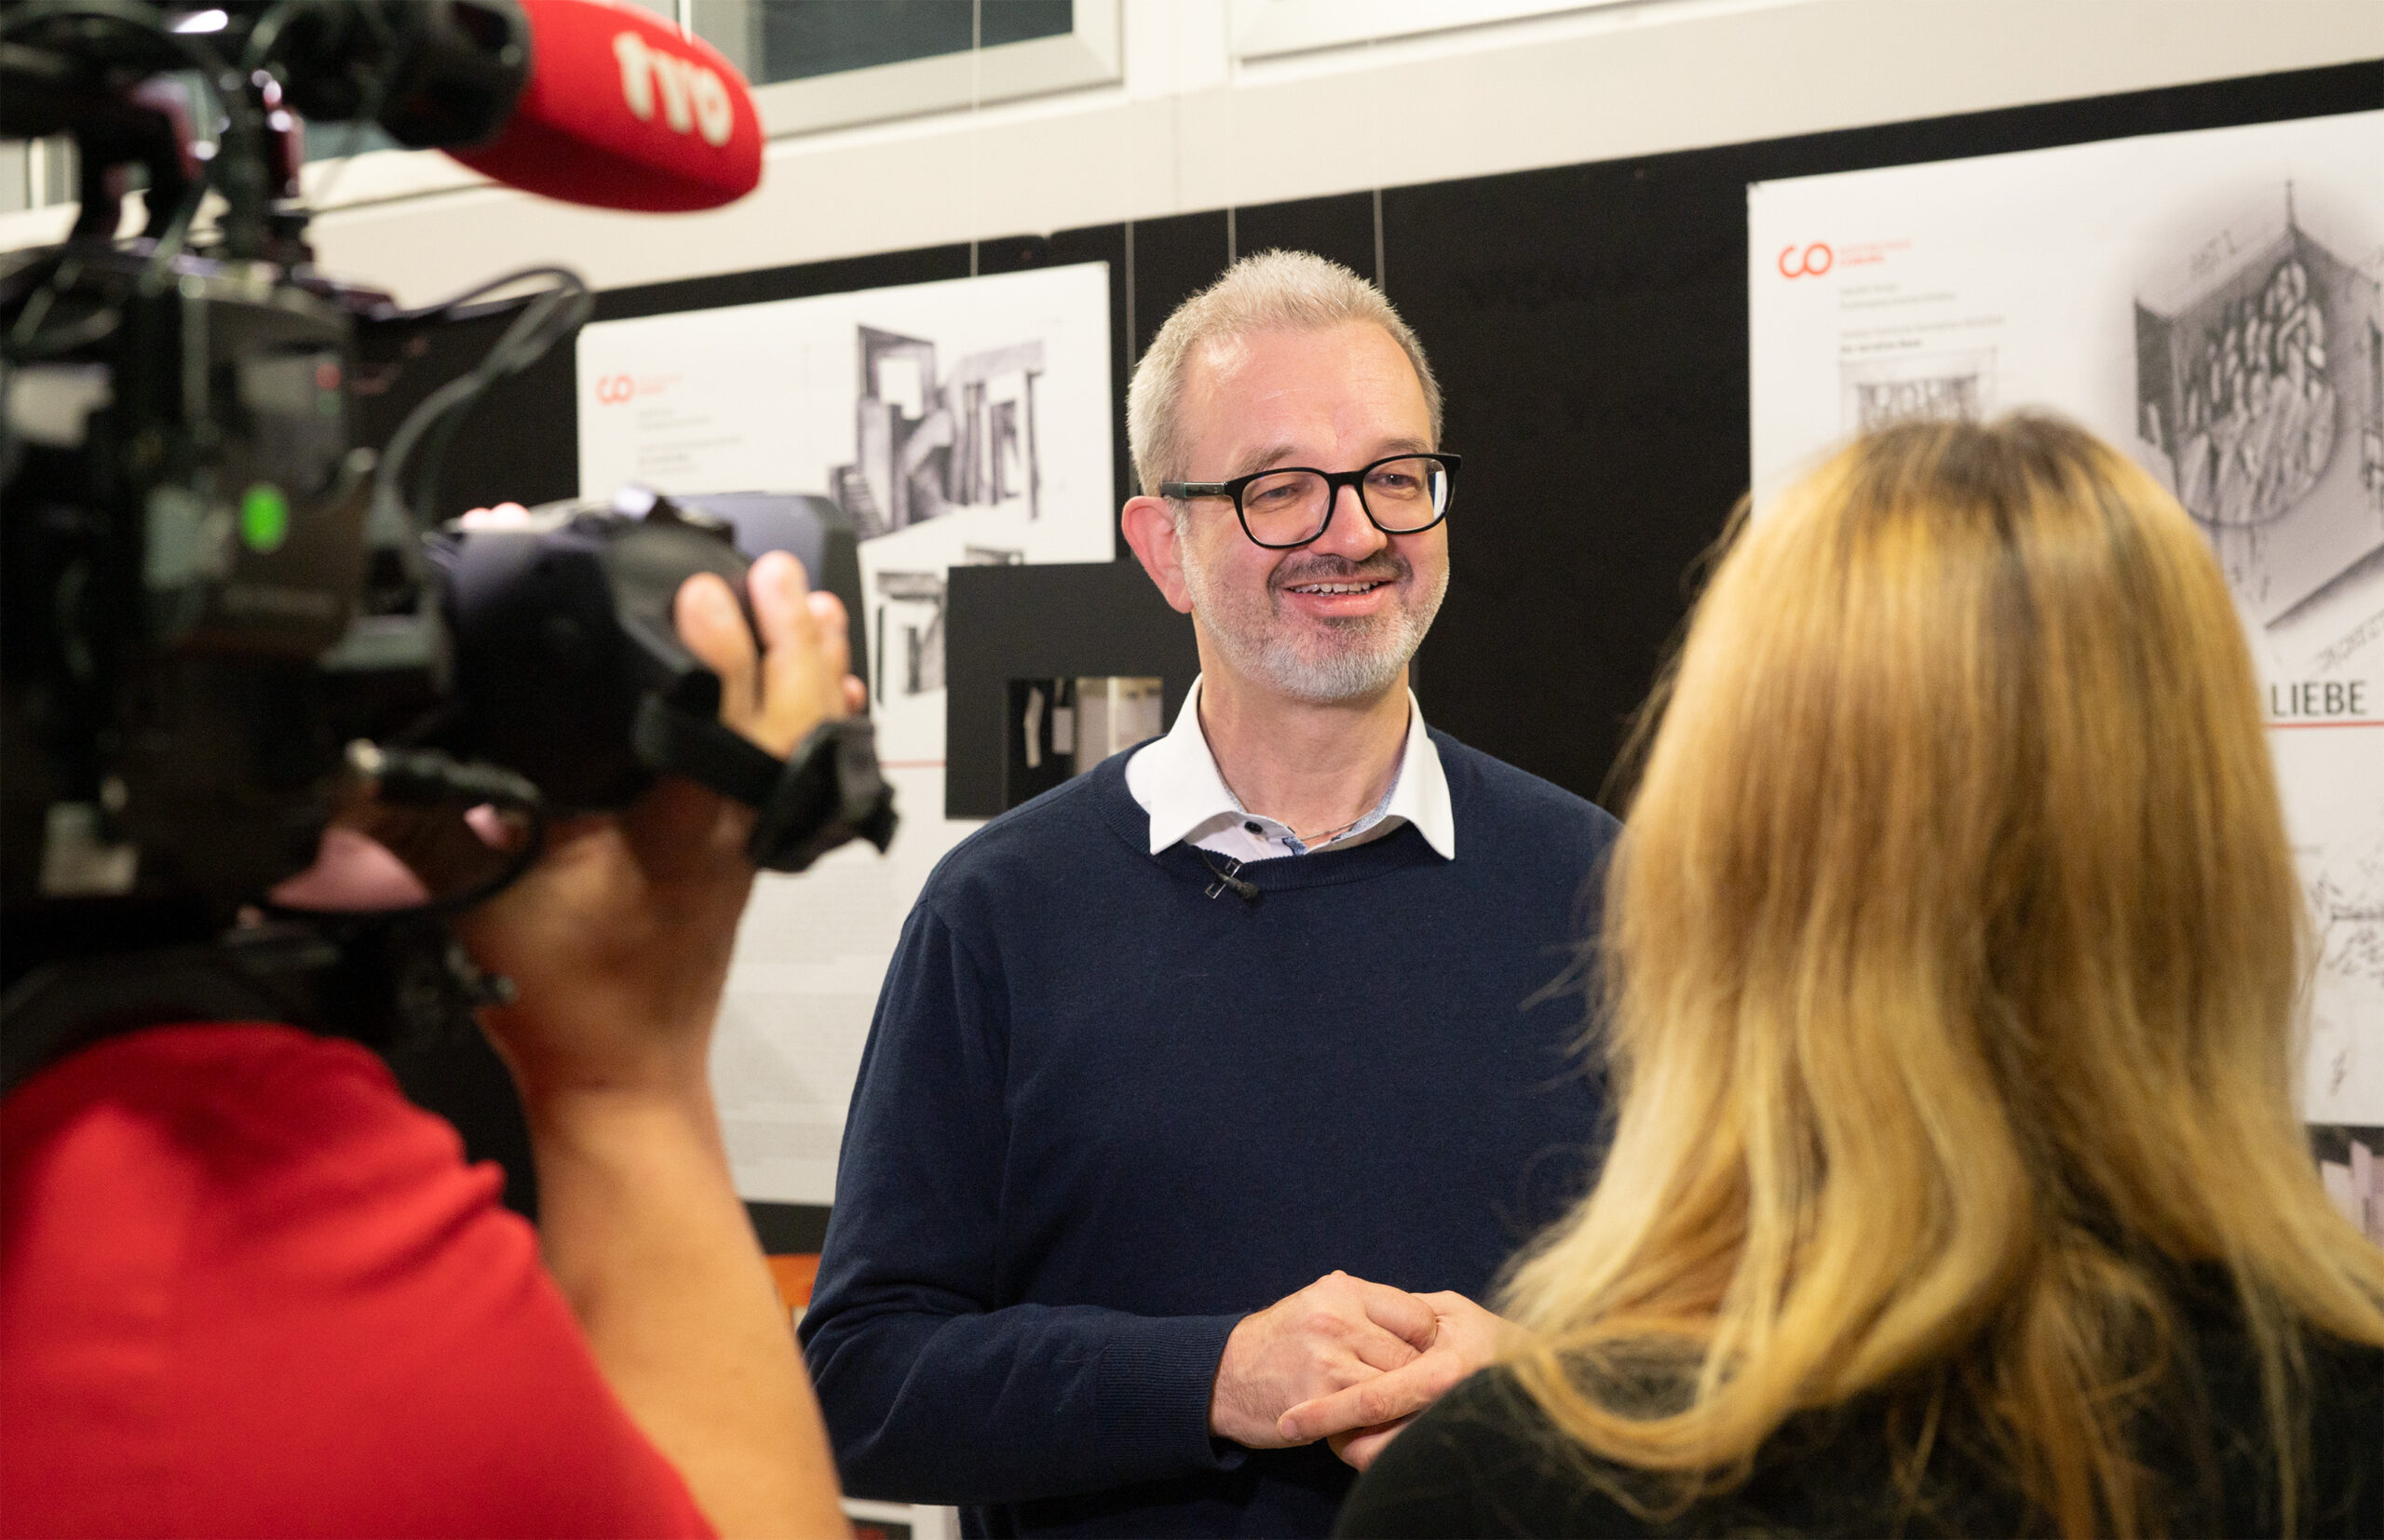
{"x": 622, "y": 111}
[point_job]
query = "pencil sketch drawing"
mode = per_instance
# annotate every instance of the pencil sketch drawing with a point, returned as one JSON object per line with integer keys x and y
{"x": 2261, "y": 380}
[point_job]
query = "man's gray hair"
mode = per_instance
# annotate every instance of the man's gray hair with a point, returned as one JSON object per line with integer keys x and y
{"x": 1270, "y": 292}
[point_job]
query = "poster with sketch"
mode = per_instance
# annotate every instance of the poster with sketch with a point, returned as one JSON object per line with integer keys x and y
{"x": 946, "y": 424}
{"x": 967, "y": 421}
{"x": 2209, "y": 301}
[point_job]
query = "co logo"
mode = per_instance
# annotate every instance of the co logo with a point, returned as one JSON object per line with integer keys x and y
{"x": 1816, "y": 260}
{"x": 614, "y": 389}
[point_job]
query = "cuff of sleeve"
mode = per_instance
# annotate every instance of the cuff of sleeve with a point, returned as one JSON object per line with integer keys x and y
{"x": 1155, "y": 1381}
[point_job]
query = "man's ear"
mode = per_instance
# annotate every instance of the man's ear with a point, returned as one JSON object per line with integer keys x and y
{"x": 1149, "y": 524}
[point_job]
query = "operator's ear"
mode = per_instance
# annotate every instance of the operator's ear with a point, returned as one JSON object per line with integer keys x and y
{"x": 1150, "y": 528}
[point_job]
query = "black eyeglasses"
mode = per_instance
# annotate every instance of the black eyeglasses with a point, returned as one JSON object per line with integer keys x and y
{"x": 1292, "y": 505}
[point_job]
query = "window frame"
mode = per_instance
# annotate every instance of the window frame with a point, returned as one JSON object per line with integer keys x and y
{"x": 1265, "y": 29}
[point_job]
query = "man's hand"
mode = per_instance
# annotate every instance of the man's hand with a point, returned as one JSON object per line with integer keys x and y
{"x": 1330, "y": 1335}
{"x": 1361, "y": 1417}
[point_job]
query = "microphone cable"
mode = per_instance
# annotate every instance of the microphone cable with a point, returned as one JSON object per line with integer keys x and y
{"x": 552, "y": 314}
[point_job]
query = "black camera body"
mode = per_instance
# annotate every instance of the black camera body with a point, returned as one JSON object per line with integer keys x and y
{"x": 562, "y": 633}
{"x": 183, "y": 537}
{"x": 208, "y": 588}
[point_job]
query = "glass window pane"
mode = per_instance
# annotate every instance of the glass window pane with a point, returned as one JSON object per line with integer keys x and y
{"x": 803, "y": 38}
{"x": 735, "y": 28}
{"x": 773, "y": 40}
{"x": 1018, "y": 21}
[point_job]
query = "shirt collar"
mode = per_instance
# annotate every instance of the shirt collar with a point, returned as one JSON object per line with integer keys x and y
{"x": 1176, "y": 780}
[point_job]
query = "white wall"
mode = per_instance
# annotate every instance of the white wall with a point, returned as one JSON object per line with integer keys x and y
{"x": 1191, "y": 126}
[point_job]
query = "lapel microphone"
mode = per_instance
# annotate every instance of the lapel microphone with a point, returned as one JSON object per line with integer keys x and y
{"x": 1245, "y": 890}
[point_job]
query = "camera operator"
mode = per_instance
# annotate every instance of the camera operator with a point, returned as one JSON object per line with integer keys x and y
{"x": 246, "y": 1288}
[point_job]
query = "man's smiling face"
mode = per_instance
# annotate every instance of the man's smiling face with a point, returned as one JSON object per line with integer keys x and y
{"x": 1336, "y": 619}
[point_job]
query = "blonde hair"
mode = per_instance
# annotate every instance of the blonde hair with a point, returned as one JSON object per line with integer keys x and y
{"x": 1952, "y": 957}
{"x": 1270, "y": 292}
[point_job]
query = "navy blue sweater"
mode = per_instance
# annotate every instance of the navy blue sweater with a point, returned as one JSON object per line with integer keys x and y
{"x": 1103, "y": 1115}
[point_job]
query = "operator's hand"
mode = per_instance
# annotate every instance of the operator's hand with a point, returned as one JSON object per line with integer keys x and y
{"x": 617, "y": 942}
{"x": 1336, "y": 1333}
{"x": 1359, "y": 1420}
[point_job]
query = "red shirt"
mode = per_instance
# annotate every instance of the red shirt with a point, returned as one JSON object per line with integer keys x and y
{"x": 246, "y": 1288}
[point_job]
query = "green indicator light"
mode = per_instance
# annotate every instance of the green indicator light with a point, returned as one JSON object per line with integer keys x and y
{"x": 264, "y": 518}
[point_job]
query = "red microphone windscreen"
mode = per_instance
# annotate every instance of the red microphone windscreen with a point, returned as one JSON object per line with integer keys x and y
{"x": 623, "y": 112}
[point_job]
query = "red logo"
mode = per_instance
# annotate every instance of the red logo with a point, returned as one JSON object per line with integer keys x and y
{"x": 615, "y": 389}
{"x": 695, "y": 99}
{"x": 1816, "y": 260}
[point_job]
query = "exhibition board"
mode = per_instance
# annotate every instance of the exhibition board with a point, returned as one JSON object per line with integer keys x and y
{"x": 2209, "y": 302}
{"x": 1589, "y": 327}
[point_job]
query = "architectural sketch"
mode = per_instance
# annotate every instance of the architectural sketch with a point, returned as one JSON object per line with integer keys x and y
{"x": 2261, "y": 381}
{"x": 2347, "y": 901}
{"x": 2209, "y": 302}
{"x": 912, "y": 609}
{"x": 1881, "y": 391}
{"x": 924, "y": 445}
{"x": 962, "y": 421}
{"x": 913, "y": 612}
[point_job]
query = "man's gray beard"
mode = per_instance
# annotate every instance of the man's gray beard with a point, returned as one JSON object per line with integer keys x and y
{"x": 1373, "y": 650}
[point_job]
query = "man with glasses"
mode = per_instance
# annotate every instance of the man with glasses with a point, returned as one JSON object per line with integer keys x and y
{"x": 1209, "y": 1091}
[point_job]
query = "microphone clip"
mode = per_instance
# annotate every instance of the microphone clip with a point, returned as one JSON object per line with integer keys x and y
{"x": 1245, "y": 890}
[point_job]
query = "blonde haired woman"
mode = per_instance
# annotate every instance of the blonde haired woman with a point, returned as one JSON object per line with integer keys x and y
{"x": 1953, "y": 956}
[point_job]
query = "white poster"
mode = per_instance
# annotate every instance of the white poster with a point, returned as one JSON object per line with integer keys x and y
{"x": 954, "y": 423}
{"x": 2210, "y": 302}
{"x": 810, "y": 955}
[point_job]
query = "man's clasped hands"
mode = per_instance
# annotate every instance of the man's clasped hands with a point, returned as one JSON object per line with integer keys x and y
{"x": 1347, "y": 1361}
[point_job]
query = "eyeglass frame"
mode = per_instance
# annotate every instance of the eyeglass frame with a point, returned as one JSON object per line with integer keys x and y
{"x": 1334, "y": 482}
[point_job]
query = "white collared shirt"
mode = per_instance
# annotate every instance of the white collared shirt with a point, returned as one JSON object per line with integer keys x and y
{"x": 1177, "y": 781}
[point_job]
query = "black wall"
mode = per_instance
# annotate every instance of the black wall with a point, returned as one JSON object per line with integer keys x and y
{"x": 1059, "y": 620}
{"x": 1589, "y": 325}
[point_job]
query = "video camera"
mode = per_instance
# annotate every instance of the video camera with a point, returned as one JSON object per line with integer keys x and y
{"x": 221, "y": 613}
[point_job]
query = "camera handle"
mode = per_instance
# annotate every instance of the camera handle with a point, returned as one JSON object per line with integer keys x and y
{"x": 827, "y": 791}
